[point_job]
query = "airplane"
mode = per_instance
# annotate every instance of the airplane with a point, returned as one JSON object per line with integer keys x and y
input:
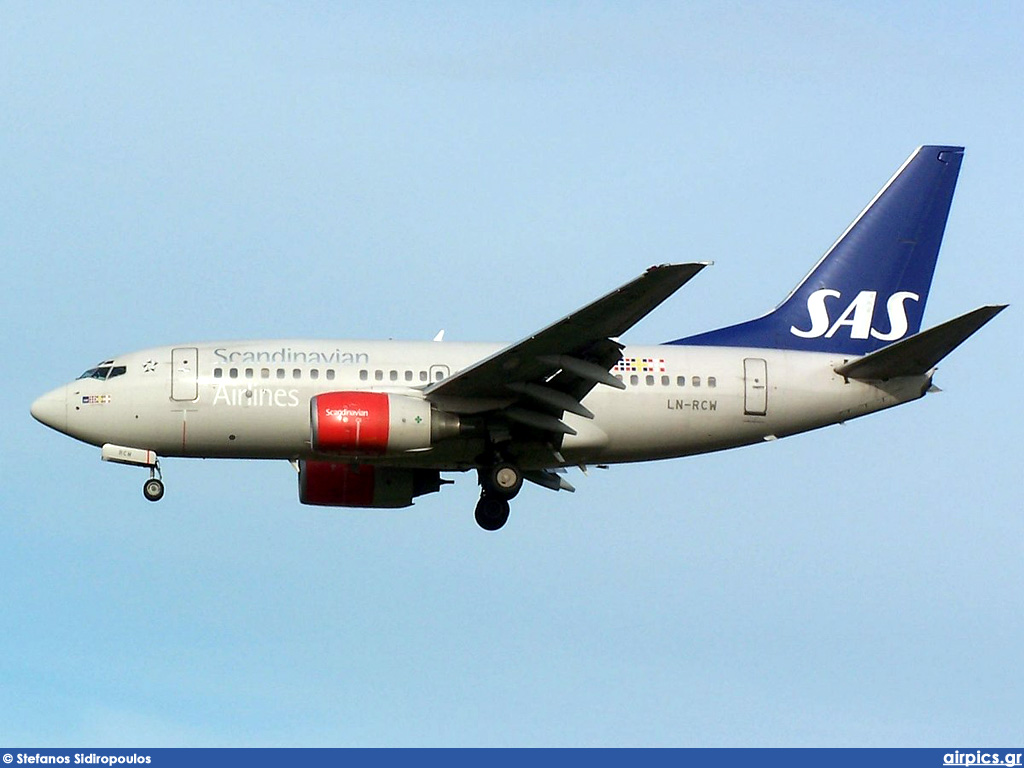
{"x": 375, "y": 423}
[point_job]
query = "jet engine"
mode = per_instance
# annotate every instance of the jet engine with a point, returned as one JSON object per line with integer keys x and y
{"x": 329, "y": 484}
{"x": 376, "y": 423}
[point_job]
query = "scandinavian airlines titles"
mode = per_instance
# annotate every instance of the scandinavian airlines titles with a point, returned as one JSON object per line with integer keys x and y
{"x": 289, "y": 355}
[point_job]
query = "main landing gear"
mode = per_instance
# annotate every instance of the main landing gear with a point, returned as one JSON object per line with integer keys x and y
{"x": 499, "y": 483}
{"x": 491, "y": 512}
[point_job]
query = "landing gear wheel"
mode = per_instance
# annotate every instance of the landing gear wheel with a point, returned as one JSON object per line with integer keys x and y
{"x": 491, "y": 513}
{"x": 153, "y": 489}
{"x": 502, "y": 480}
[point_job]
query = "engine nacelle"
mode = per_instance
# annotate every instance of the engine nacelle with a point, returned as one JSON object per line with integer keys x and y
{"x": 375, "y": 423}
{"x": 327, "y": 484}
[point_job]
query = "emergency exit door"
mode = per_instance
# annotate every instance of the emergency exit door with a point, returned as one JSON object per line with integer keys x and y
{"x": 184, "y": 373}
{"x": 755, "y": 387}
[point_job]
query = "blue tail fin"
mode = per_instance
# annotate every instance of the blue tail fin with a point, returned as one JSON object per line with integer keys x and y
{"x": 870, "y": 288}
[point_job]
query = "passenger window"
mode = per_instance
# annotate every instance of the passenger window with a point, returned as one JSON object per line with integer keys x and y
{"x": 248, "y": 373}
{"x": 650, "y": 380}
{"x": 680, "y": 381}
{"x": 634, "y": 379}
{"x": 408, "y": 375}
{"x": 712, "y": 382}
{"x": 315, "y": 373}
{"x": 364, "y": 375}
{"x": 296, "y": 373}
{"x": 233, "y": 373}
{"x": 665, "y": 380}
{"x": 394, "y": 375}
{"x": 330, "y": 374}
{"x": 218, "y": 373}
{"x": 618, "y": 376}
{"x": 423, "y": 375}
{"x": 280, "y": 373}
{"x": 438, "y": 376}
{"x": 264, "y": 373}
{"x": 696, "y": 381}
{"x": 378, "y": 375}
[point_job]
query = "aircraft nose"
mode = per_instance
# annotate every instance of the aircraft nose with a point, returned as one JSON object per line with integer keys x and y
{"x": 52, "y": 409}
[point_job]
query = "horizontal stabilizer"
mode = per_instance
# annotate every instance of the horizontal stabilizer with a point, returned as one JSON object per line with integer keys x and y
{"x": 917, "y": 355}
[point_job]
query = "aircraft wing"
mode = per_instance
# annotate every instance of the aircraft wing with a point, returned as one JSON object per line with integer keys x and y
{"x": 552, "y": 370}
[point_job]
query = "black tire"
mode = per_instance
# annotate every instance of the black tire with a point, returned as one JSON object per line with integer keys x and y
{"x": 491, "y": 513}
{"x": 153, "y": 489}
{"x": 503, "y": 480}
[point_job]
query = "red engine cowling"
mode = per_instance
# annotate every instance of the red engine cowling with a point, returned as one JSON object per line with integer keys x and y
{"x": 327, "y": 484}
{"x": 368, "y": 423}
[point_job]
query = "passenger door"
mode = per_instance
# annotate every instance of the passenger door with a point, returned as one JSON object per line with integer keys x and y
{"x": 184, "y": 373}
{"x": 755, "y": 386}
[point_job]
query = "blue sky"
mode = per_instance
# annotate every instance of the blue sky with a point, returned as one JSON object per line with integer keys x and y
{"x": 180, "y": 172}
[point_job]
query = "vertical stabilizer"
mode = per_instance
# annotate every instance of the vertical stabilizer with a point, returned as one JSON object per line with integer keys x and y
{"x": 870, "y": 288}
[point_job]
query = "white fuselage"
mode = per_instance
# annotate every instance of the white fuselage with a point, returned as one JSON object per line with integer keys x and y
{"x": 252, "y": 399}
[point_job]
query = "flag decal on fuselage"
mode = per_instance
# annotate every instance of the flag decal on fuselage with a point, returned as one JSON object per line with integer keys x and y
{"x": 640, "y": 365}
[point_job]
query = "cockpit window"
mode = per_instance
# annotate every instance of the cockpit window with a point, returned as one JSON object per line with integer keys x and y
{"x": 104, "y": 372}
{"x": 96, "y": 373}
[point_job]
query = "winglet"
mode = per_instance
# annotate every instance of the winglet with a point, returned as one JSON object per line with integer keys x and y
{"x": 918, "y": 354}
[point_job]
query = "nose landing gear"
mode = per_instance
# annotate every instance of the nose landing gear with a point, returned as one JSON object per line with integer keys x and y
{"x": 153, "y": 489}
